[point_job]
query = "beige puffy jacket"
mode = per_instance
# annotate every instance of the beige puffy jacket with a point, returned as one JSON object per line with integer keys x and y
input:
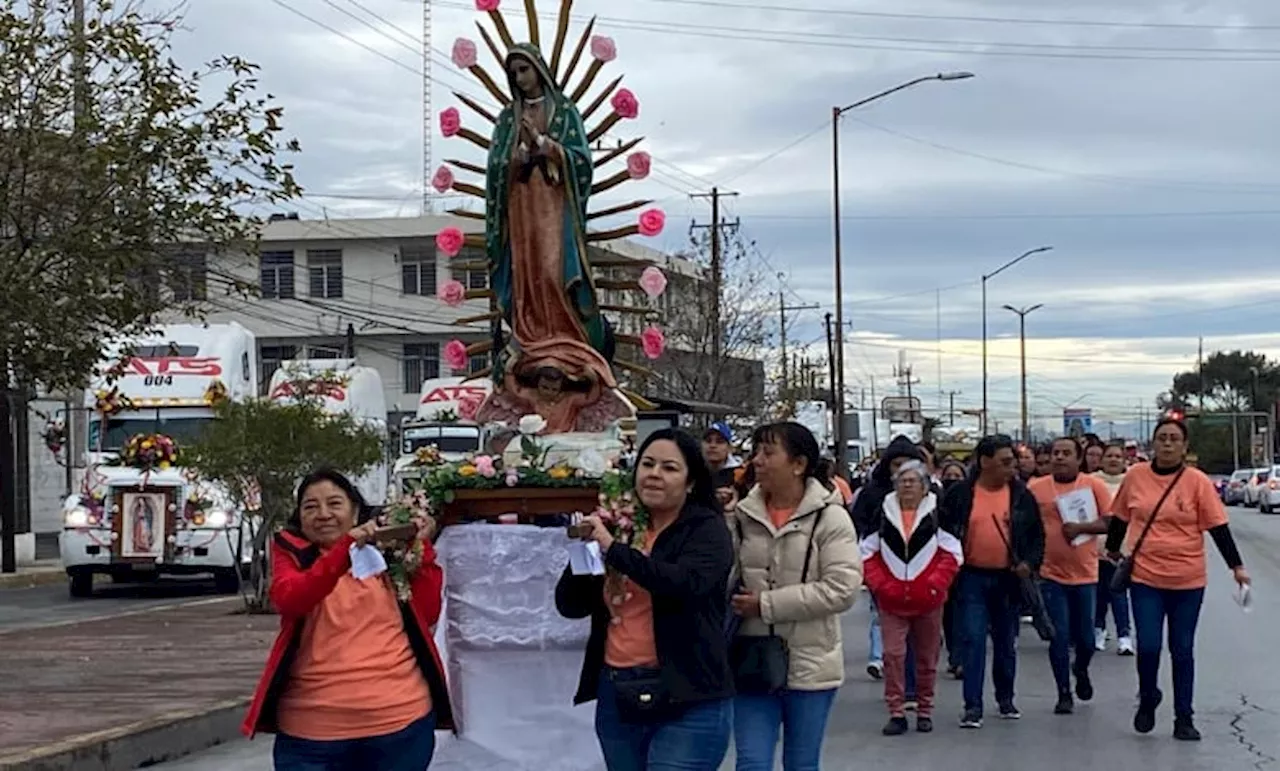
{"x": 808, "y": 614}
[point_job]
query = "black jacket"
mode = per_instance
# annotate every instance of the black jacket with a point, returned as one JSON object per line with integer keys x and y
{"x": 1027, "y": 528}
{"x": 866, "y": 507}
{"x": 687, "y": 574}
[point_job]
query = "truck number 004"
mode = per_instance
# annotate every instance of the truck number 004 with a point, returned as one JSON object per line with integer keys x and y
{"x": 158, "y": 380}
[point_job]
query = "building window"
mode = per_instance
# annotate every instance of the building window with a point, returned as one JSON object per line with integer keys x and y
{"x": 271, "y": 357}
{"x": 421, "y": 362}
{"x": 324, "y": 273}
{"x": 418, "y": 269}
{"x": 324, "y": 352}
{"x": 471, "y": 279}
{"x": 189, "y": 276}
{"x": 275, "y": 275}
{"x": 477, "y": 363}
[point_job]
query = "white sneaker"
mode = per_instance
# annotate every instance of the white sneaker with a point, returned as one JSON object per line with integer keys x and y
{"x": 876, "y": 670}
{"x": 1124, "y": 646}
{"x": 1100, "y": 639}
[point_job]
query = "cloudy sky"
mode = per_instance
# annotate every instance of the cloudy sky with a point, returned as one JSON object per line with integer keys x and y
{"x": 1136, "y": 138}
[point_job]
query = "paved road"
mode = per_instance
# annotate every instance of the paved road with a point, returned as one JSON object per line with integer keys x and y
{"x": 1238, "y": 701}
{"x": 40, "y": 606}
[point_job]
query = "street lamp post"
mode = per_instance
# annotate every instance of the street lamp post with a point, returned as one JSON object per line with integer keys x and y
{"x": 838, "y": 375}
{"x": 991, "y": 275}
{"x": 1022, "y": 338}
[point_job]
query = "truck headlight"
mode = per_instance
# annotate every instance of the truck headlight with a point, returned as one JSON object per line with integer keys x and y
{"x": 217, "y": 519}
{"x": 77, "y": 517}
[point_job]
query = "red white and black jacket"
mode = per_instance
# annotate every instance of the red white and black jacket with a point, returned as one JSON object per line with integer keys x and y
{"x": 301, "y": 577}
{"x": 909, "y": 574}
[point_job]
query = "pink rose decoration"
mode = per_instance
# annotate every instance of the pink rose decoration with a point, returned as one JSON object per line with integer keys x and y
{"x": 484, "y": 466}
{"x": 513, "y": 477}
{"x": 653, "y": 342}
{"x": 486, "y": 5}
{"x": 603, "y": 49}
{"x": 464, "y": 53}
{"x": 624, "y": 103}
{"x": 653, "y": 282}
{"x": 638, "y": 165}
{"x": 450, "y": 121}
{"x": 450, "y": 240}
{"x": 443, "y": 179}
{"x": 651, "y": 222}
{"x": 455, "y": 354}
{"x": 469, "y": 406}
{"x": 452, "y": 293}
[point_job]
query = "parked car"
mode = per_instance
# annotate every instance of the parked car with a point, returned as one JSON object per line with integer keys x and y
{"x": 1220, "y": 484}
{"x": 1253, "y": 491}
{"x": 1233, "y": 495}
{"x": 1269, "y": 496}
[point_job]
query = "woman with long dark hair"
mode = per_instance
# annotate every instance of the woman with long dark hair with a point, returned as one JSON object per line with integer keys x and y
{"x": 656, "y": 662}
{"x": 800, "y": 570}
{"x": 354, "y": 679}
{"x": 1161, "y": 513}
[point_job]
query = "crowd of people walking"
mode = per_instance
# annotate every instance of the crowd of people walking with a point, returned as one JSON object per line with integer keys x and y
{"x": 727, "y": 629}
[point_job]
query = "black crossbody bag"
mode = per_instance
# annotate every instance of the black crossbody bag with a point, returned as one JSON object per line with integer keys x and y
{"x": 760, "y": 664}
{"x": 1123, "y": 576}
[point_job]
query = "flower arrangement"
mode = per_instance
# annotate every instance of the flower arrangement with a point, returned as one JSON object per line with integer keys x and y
{"x": 403, "y": 558}
{"x": 216, "y": 393}
{"x": 149, "y": 452}
{"x": 428, "y": 456}
{"x": 95, "y": 506}
{"x": 54, "y": 435}
{"x": 196, "y": 507}
{"x": 110, "y": 402}
{"x": 446, "y": 416}
{"x": 627, "y": 521}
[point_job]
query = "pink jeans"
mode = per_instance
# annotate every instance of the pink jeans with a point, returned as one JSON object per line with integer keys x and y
{"x": 925, "y": 633}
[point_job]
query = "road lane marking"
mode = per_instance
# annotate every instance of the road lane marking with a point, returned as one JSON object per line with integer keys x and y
{"x": 121, "y": 614}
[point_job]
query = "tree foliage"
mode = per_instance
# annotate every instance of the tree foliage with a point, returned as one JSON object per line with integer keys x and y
{"x": 259, "y": 449}
{"x": 1231, "y": 382}
{"x": 692, "y": 369}
{"x": 101, "y": 175}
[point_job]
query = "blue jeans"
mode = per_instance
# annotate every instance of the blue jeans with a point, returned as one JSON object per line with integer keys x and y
{"x": 1070, "y": 608}
{"x": 1181, "y": 608}
{"x": 802, "y": 718}
{"x": 695, "y": 740}
{"x": 988, "y": 600}
{"x": 875, "y": 641}
{"x": 1118, "y": 603}
{"x": 409, "y": 749}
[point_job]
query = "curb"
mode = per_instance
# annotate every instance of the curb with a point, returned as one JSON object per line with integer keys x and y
{"x": 139, "y": 744}
{"x": 46, "y": 577}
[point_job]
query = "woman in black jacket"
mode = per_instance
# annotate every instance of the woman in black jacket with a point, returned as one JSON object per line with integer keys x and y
{"x": 657, "y": 660}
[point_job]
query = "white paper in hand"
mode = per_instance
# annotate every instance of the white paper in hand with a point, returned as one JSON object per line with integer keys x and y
{"x": 1080, "y": 507}
{"x": 585, "y": 558}
{"x": 1244, "y": 597}
{"x": 366, "y": 562}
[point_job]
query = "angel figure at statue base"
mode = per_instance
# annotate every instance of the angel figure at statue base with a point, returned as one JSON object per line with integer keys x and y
{"x": 557, "y": 359}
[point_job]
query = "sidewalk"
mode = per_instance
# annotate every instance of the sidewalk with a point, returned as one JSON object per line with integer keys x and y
{"x": 42, "y": 573}
{"x": 116, "y": 676}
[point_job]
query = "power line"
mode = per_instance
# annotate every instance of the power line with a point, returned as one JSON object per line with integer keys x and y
{"x": 1021, "y": 215}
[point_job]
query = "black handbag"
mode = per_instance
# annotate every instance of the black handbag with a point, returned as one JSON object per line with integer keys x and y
{"x": 1123, "y": 576}
{"x": 760, "y": 663}
{"x": 642, "y": 698}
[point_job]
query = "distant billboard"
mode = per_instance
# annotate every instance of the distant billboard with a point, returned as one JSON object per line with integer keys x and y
{"x": 1077, "y": 422}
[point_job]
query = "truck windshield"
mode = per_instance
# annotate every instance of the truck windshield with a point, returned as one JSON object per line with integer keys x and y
{"x": 449, "y": 439}
{"x": 183, "y": 430}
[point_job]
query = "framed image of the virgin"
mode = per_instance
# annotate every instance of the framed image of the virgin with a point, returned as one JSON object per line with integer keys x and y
{"x": 142, "y": 523}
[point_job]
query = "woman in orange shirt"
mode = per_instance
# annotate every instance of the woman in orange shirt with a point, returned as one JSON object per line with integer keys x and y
{"x": 657, "y": 662}
{"x": 353, "y": 680}
{"x": 1169, "y": 573}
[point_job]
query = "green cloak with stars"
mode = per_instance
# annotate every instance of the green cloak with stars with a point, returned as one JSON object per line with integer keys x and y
{"x": 566, "y": 128}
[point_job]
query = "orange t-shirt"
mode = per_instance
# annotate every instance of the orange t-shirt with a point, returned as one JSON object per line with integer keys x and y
{"x": 355, "y": 674}
{"x": 845, "y": 490}
{"x": 908, "y": 522}
{"x": 1172, "y": 557}
{"x": 780, "y": 517}
{"x": 989, "y": 528}
{"x": 1064, "y": 563}
{"x": 630, "y": 641}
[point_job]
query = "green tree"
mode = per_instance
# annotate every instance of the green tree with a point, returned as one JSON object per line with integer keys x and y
{"x": 110, "y": 155}
{"x": 259, "y": 449}
{"x": 1230, "y": 382}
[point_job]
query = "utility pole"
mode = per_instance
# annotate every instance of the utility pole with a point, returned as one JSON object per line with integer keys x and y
{"x": 351, "y": 341}
{"x": 783, "y": 308}
{"x": 875, "y": 417}
{"x": 717, "y": 272}
{"x": 951, "y": 418}
{"x": 1022, "y": 342}
{"x": 832, "y": 385}
{"x": 905, "y": 380}
{"x": 1200, "y": 367}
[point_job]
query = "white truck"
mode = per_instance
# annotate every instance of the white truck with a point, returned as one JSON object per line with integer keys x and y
{"x": 132, "y": 524}
{"x": 350, "y": 389}
{"x": 439, "y": 422}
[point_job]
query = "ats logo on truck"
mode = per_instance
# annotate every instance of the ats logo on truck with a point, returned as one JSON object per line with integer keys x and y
{"x": 162, "y": 370}
{"x": 454, "y": 394}
{"x": 328, "y": 390}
